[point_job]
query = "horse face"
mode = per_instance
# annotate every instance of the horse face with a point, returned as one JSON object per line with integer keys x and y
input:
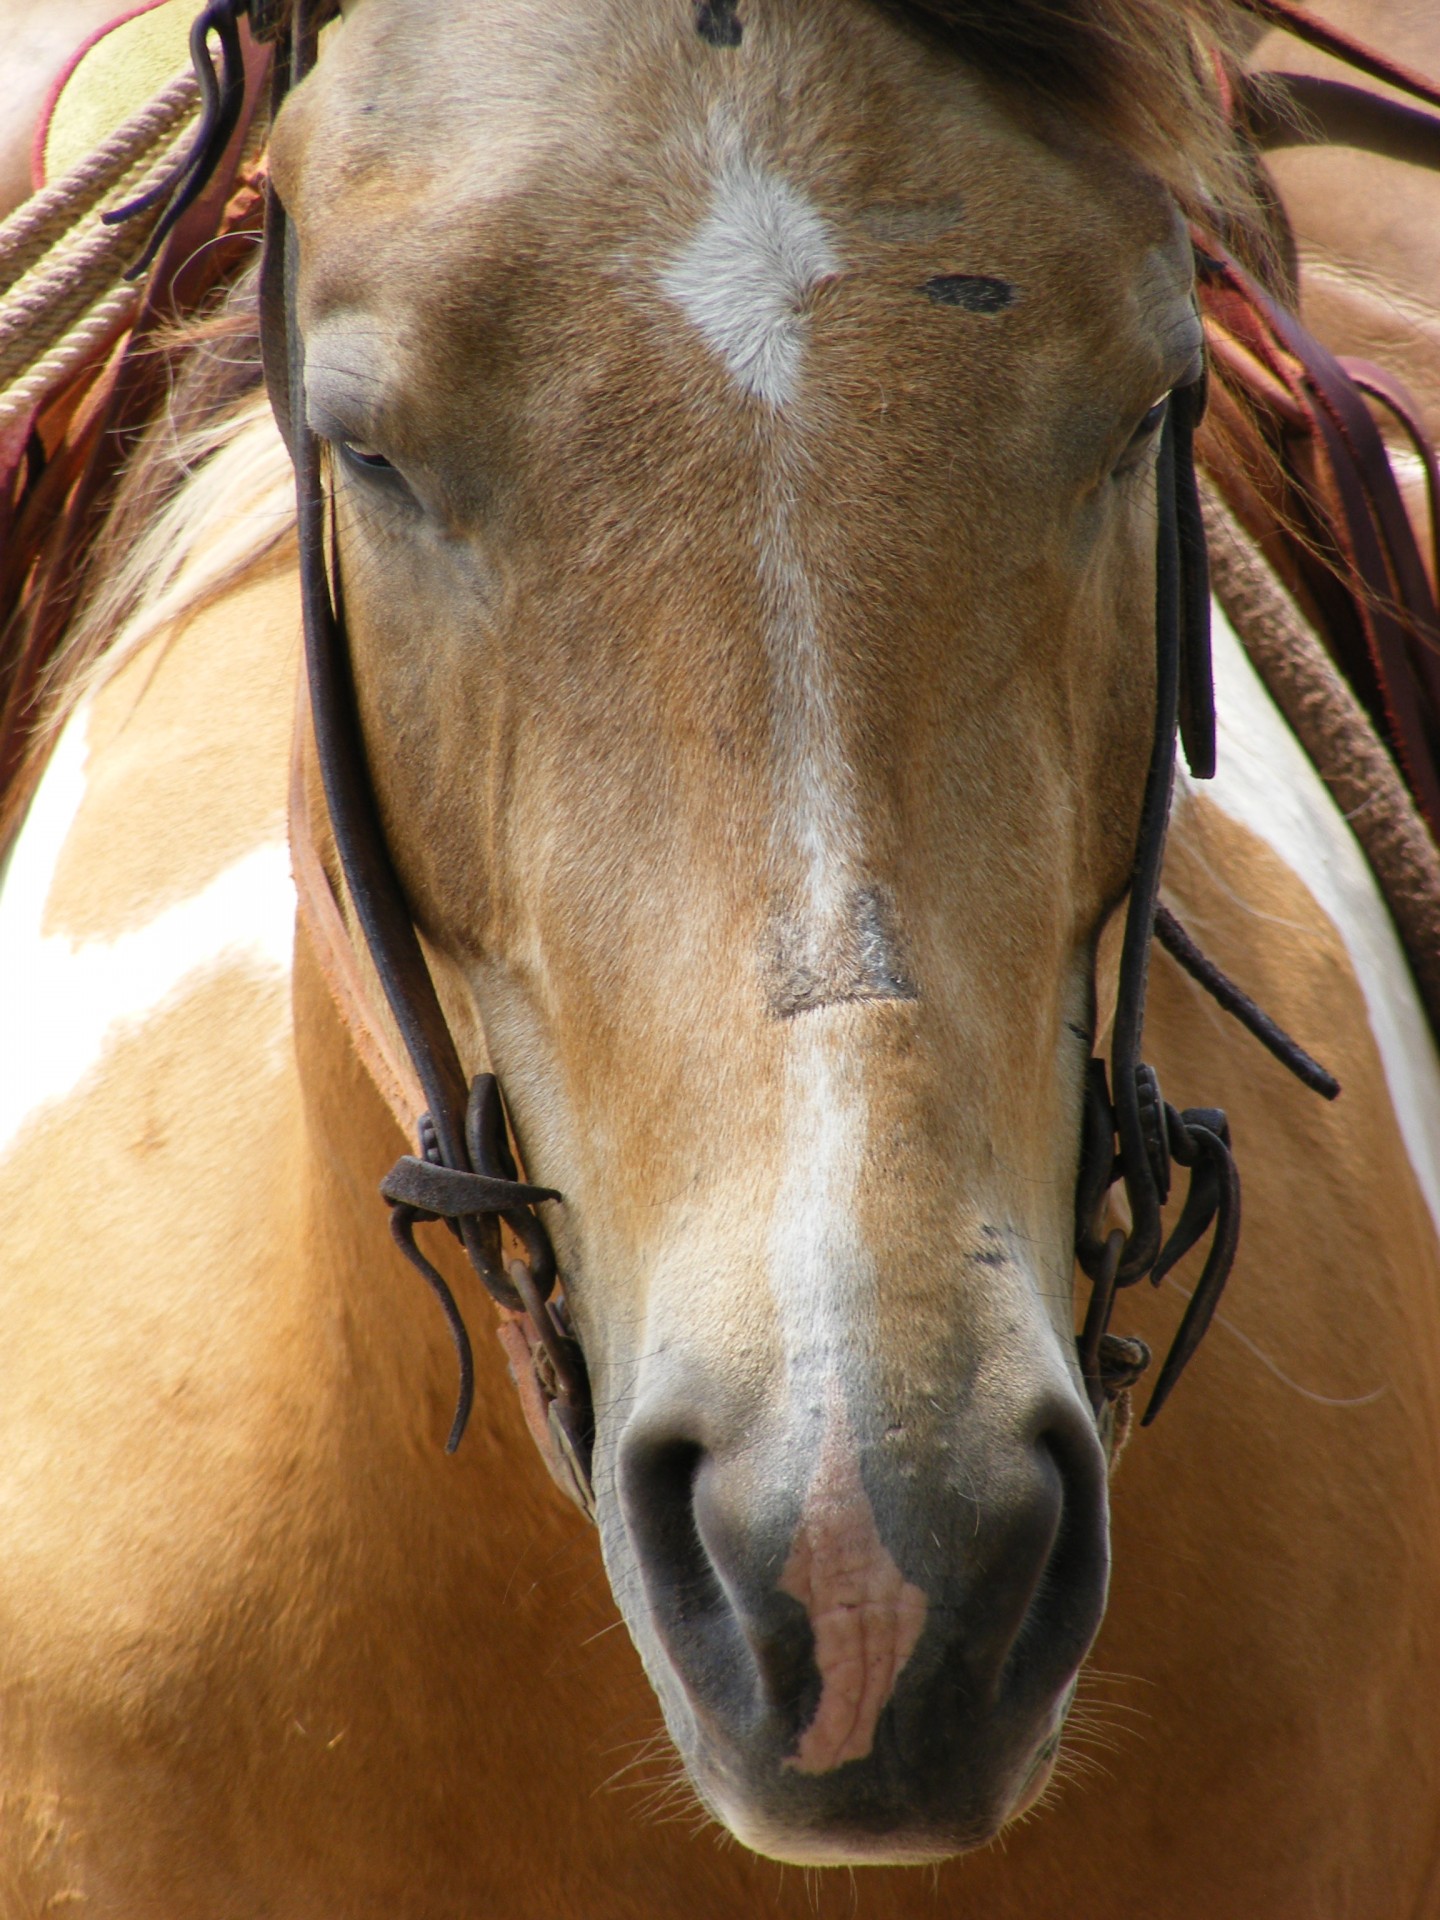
{"x": 743, "y": 444}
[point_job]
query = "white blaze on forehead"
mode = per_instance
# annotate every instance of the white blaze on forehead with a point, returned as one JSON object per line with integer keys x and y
{"x": 746, "y": 276}
{"x": 745, "y": 281}
{"x": 62, "y": 1001}
{"x": 1266, "y": 782}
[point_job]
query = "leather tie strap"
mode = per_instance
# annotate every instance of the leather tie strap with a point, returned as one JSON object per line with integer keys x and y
{"x": 448, "y": 1193}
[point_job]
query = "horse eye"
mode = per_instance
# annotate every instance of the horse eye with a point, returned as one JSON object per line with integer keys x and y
{"x": 360, "y": 455}
{"x": 1138, "y": 445}
{"x": 1153, "y": 418}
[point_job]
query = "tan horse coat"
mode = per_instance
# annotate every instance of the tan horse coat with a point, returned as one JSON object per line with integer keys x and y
{"x": 267, "y": 1649}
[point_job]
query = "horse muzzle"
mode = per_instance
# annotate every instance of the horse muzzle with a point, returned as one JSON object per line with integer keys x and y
{"x": 863, "y": 1622}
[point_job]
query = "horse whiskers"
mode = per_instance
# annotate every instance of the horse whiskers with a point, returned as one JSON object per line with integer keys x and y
{"x": 1095, "y": 1733}
{"x": 653, "y": 1748}
{"x": 600, "y": 1632}
{"x": 1090, "y": 1673}
{"x": 676, "y": 1805}
{"x": 666, "y": 1798}
{"x": 1074, "y": 1770}
{"x": 1089, "y": 1698}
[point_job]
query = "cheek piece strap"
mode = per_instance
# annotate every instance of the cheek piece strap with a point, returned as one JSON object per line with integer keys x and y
{"x": 464, "y": 1172}
{"x": 1130, "y": 1132}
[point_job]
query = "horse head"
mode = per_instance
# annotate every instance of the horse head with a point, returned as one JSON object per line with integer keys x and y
{"x": 742, "y": 426}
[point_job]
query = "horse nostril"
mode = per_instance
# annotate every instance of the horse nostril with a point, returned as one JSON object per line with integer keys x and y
{"x": 657, "y": 1490}
{"x": 1069, "y": 1594}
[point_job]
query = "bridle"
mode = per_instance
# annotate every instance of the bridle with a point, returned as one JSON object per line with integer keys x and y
{"x": 464, "y": 1171}
{"x": 1130, "y": 1131}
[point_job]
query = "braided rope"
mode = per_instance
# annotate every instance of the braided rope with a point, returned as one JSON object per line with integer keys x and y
{"x": 35, "y": 227}
{"x": 1336, "y": 733}
{"x": 71, "y": 352}
{"x": 63, "y": 295}
{"x": 55, "y": 295}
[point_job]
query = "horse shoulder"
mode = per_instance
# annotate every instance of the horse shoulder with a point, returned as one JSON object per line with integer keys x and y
{"x": 148, "y": 1185}
{"x": 1278, "y": 1531}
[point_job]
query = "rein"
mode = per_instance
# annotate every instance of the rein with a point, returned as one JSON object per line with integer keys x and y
{"x": 464, "y": 1171}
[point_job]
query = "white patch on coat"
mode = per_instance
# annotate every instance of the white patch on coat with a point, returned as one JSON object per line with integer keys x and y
{"x": 746, "y": 277}
{"x": 1266, "y": 782}
{"x": 62, "y": 1002}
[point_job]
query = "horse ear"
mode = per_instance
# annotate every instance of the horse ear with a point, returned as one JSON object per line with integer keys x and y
{"x": 1197, "y": 683}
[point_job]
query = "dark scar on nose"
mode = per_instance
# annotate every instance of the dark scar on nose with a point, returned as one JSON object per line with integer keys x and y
{"x": 857, "y": 956}
{"x": 976, "y": 292}
{"x": 718, "y": 22}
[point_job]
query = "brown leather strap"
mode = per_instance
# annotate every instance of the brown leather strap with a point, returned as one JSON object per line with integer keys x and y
{"x": 1306, "y": 110}
{"x": 463, "y": 1133}
{"x": 1403, "y": 408}
{"x": 343, "y": 964}
{"x": 1341, "y": 498}
{"x": 355, "y": 991}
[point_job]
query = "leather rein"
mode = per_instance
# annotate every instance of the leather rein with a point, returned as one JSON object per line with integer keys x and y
{"x": 464, "y": 1169}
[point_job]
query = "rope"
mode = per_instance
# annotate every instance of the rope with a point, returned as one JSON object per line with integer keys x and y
{"x": 70, "y": 353}
{"x": 44, "y": 219}
{"x": 63, "y": 287}
{"x": 61, "y": 267}
{"x": 1336, "y": 733}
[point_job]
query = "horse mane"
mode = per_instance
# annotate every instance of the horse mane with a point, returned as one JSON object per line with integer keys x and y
{"x": 1154, "y": 77}
{"x": 207, "y": 497}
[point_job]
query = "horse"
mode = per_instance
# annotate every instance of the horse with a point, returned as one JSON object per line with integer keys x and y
{"x": 743, "y": 430}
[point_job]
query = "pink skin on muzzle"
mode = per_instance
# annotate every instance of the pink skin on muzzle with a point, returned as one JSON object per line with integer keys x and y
{"x": 865, "y": 1615}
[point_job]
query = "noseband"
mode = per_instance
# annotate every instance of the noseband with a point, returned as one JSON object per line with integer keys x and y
{"x": 464, "y": 1172}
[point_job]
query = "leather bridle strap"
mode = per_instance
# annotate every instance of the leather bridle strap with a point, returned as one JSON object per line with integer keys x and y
{"x": 1140, "y": 1136}
{"x": 1344, "y": 47}
{"x": 464, "y": 1172}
